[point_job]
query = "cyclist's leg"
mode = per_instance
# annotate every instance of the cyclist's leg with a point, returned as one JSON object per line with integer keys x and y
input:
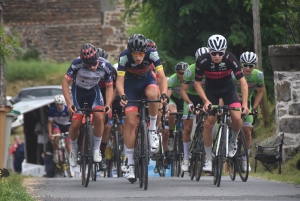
{"x": 55, "y": 130}
{"x": 247, "y": 130}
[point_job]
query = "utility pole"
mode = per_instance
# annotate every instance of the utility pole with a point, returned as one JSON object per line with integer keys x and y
{"x": 257, "y": 49}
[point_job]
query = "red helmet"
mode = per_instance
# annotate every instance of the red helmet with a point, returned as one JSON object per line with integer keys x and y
{"x": 88, "y": 53}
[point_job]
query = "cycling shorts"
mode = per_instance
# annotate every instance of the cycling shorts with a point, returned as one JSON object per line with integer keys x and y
{"x": 195, "y": 100}
{"x": 228, "y": 94}
{"x": 135, "y": 87}
{"x": 92, "y": 96}
{"x": 177, "y": 102}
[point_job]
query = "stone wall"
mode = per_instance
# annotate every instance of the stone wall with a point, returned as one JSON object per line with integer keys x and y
{"x": 57, "y": 29}
{"x": 285, "y": 60}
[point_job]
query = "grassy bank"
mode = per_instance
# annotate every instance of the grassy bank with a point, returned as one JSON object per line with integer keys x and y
{"x": 12, "y": 189}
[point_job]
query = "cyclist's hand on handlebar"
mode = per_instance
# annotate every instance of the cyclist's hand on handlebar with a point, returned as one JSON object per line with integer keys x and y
{"x": 51, "y": 137}
{"x": 164, "y": 98}
{"x": 107, "y": 109}
{"x": 190, "y": 107}
{"x": 245, "y": 110}
{"x": 123, "y": 100}
{"x": 255, "y": 111}
{"x": 207, "y": 106}
{"x": 71, "y": 109}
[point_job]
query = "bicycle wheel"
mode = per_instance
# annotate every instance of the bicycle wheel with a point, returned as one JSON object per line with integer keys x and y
{"x": 94, "y": 171}
{"x": 219, "y": 159}
{"x": 231, "y": 164}
{"x": 145, "y": 154}
{"x": 139, "y": 159}
{"x": 241, "y": 156}
{"x": 179, "y": 155}
{"x": 192, "y": 165}
{"x": 88, "y": 148}
{"x": 117, "y": 152}
{"x": 199, "y": 156}
{"x": 66, "y": 163}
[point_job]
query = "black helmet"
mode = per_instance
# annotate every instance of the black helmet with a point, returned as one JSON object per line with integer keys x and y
{"x": 102, "y": 53}
{"x": 137, "y": 43}
{"x": 181, "y": 66}
{"x": 88, "y": 53}
{"x": 152, "y": 44}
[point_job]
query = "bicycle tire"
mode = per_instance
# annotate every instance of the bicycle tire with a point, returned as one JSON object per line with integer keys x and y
{"x": 66, "y": 161}
{"x": 117, "y": 152}
{"x": 88, "y": 154}
{"x": 199, "y": 157}
{"x": 139, "y": 159}
{"x": 219, "y": 159}
{"x": 84, "y": 161}
{"x": 231, "y": 164}
{"x": 145, "y": 153}
{"x": 192, "y": 166}
{"x": 94, "y": 172}
{"x": 242, "y": 151}
{"x": 179, "y": 153}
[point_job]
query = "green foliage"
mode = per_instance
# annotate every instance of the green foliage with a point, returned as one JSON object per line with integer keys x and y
{"x": 11, "y": 188}
{"x": 9, "y": 45}
{"x": 31, "y": 54}
{"x": 33, "y": 69}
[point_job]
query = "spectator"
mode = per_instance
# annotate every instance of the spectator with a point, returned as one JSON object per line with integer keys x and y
{"x": 17, "y": 151}
{"x": 42, "y": 137}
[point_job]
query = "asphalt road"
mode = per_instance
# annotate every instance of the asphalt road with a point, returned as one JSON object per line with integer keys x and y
{"x": 167, "y": 188}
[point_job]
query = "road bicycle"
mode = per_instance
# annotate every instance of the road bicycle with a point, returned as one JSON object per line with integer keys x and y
{"x": 221, "y": 142}
{"x": 196, "y": 150}
{"x": 141, "y": 150}
{"x": 63, "y": 159}
{"x": 86, "y": 145}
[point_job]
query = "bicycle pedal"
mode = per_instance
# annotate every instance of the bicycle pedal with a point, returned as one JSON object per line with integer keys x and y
{"x": 132, "y": 180}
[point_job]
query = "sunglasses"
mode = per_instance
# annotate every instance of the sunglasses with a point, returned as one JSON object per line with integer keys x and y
{"x": 180, "y": 73}
{"x": 217, "y": 53}
{"x": 136, "y": 54}
{"x": 91, "y": 64}
{"x": 248, "y": 65}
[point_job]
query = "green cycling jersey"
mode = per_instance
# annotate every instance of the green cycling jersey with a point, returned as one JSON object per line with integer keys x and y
{"x": 189, "y": 78}
{"x": 174, "y": 84}
{"x": 255, "y": 80}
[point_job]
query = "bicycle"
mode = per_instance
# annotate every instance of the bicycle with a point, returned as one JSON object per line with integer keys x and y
{"x": 220, "y": 143}
{"x": 116, "y": 146}
{"x": 177, "y": 153}
{"x": 63, "y": 159}
{"x": 141, "y": 150}
{"x": 197, "y": 146}
{"x": 86, "y": 145}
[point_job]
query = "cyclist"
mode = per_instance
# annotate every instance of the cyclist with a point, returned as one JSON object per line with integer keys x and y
{"x": 134, "y": 80}
{"x": 217, "y": 66}
{"x": 58, "y": 122}
{"x": 255, "y": 81}
{"x": 107, "y": 127}
{"x": 191, "y": 100}
{"x": 84, "y": 73}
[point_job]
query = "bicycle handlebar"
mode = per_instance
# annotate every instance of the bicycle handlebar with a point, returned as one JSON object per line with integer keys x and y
{"x": 66, "y": 134}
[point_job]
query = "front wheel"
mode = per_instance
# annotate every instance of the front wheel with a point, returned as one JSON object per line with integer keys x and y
{"x": 242, "y": 157}
{"x": 145, "y": 154}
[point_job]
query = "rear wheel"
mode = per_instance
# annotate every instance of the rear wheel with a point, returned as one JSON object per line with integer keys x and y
{"x": 192, "y": 165}
{"x": 94, "y": 171}
{"x": 232, "y": 168}
{"x": 242, "y": 157}
{"x": 145, "y": 154}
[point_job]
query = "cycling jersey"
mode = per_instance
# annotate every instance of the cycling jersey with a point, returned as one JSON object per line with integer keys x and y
{"x": 59, "y": 117}
{"x": 87, "y": 79}
{"x": 255, "y": 80}
{"x": 174, "y": 84}
{"x": 102, "y": 83}
{"x": 218, "y": 83}
{"x": 128, "y": 68}
{"x": 189, "y": 79}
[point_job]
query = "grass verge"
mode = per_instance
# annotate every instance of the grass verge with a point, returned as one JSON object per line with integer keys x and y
{"x": 12, "y": 189}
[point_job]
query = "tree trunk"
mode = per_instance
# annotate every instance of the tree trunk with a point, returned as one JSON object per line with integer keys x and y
{"x": 257, "y": 48}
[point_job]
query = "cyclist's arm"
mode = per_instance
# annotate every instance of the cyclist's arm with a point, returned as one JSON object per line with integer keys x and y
{"x": 66, "y": 91}
{"x": 109, "y": 93}
{"x": 244, "y": 90}
{"x": 200, "y": 91}
{"x": 183, "y": 93}
{"x": 49, "y": 125}
{"x": 169, "y": 93}
{"x": 163, "y": 84}
{"x": 120, "y": 83}
{"x": 258, "y": 97}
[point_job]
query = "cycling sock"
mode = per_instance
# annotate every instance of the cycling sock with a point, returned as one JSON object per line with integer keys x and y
{"x": 186, "y": 147}
{"x": 124, "y": 149}
{"x": 171, "y": 133}
{"x": 97, "y": 142}
{"x": 153, "y": 122}
{"x": 234, "y": 136}
{"x": 74, "y": 145}
{"x": 208, "y": 151}
{"x": 129, "y": 154}
{"x": 102, "y": 148}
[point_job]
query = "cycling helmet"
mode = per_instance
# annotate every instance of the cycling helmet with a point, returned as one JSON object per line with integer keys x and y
{"x": 102, "y": 53}
{"x": 181, "y": 66}
{"x": 88, "y": 53}
{"x": 200, "y": 51}
{"x": 217, "y": 43}
{"x": 249, "y": 58}
{"x": 59, "y": 99}
{"x": 152, "y": 44}
{"x": 137, "y": 43}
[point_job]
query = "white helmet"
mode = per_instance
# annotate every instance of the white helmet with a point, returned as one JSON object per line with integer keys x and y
{"x": 217, "y": 43}
{"x": 200, "y": 51}
{"x": 116, "y": 66}
{"x": 59, "y": 99}
{"x": 249, "y": 58}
